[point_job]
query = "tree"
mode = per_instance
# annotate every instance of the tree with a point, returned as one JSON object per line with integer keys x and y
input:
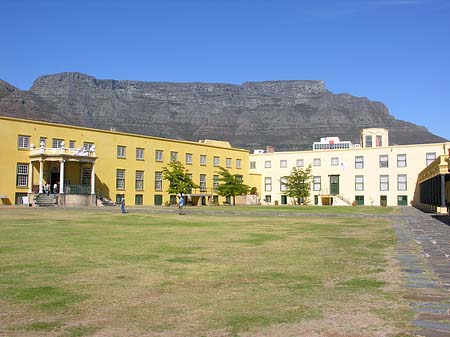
{"x": 179, "y": 180}
{"x": 298, "y": 183}
{"x": 231, "y": 185}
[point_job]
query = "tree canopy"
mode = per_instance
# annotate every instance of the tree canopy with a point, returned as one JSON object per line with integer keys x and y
{"x": 179, "y": 180}
{"x": 231, "y": 185}
{"x": 298, "y": 184}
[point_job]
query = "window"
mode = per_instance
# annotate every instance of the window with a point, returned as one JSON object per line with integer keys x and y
{"x": 23, "y": 142}
{"x": 87, "y": 146}
{"x": 283, "y": 182}
{"x": 316, "y": 183}
{"x": 138, "y": 199}
{"x": 253, "y": 165}
{"x": 267, "y": 164}
{"x": 368, "y": 140}
{"x": 215, "y": 182}
{"x": 158, "y": 181}
{"x": 22, "y": 175}
{"x": 202, "y": 159}
{"x": 384, "y": 160}
{"x": 120, "y": 179}
{"x": 188, "y": 158}
{"x": 159, "y": 155}
{"x": 202, "y": 182}
{"x": 139, "y": 180}
{"x": 57, "y": 143}
{"x": 359, "y": 162}
{"x": 228, "y": 162}
{"x": 119, "y": 198}
{"x": 173, "y": 156}
{"x": 121, "y": 151}
{"x": 268, "y": 198}
{"x": 335, "y": 161}
{"x": 359, "y": 183}
{"x": 267, "y": 184}
{"x": 384, "y": 183}
{"x": 216, "y": 161}
{"x": 401, "y": 160}
{"x": 402, "y": 184}
{"x": 316, "y": 162}
{"x": 43, "y": 141}
{"x": 431, "y": 156}
{"x": 300, "y": 163}
{"x": 238, "y": 163}
{"x": 379, "y": 140}
{"x": 72, "y": 144}
{"x": 283, "y": 163}
{"x": 86, "y": 176}
{"x": 139, "y": 153}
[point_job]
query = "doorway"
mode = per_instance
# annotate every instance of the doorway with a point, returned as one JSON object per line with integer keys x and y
{"x": 334, "y": 185}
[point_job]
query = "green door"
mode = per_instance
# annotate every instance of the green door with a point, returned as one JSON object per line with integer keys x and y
{"x": 284, "y": 200}
{"x": 402, "y": 200}
{"x": 334, "y": 185}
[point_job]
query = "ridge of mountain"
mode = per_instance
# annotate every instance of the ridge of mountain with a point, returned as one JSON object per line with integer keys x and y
{"x": 290, "y": 115}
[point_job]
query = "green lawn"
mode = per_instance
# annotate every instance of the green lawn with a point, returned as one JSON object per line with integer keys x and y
{"x": 66, "y": 272}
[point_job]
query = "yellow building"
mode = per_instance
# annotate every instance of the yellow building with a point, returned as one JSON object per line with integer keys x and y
{"x": 83, "y": 165}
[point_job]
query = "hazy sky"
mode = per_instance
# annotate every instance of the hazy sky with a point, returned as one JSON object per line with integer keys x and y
{"x": 393, "y": 51}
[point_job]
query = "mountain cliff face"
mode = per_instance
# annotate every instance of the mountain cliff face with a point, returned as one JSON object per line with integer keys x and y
{"x": 288, "y": 114}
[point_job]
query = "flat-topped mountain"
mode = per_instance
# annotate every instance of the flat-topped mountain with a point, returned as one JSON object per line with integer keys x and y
{"x": 290, "y": 115}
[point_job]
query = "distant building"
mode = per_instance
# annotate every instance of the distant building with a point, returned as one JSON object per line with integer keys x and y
{"x": 371, "y": 174}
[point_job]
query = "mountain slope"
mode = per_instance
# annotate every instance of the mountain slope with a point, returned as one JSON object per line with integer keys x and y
{"x": 288, "y": 114}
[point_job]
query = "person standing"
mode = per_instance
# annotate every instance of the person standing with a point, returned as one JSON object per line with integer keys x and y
{"x": 122, "y": 205}
{"x": 181, "y": 205}
{"x": 55, "y": 188}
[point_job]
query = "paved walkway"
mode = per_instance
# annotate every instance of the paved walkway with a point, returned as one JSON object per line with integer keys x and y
{"x": 423, "y": 249}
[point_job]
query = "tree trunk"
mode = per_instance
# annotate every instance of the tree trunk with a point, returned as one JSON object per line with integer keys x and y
{"x": 234, "y": 201}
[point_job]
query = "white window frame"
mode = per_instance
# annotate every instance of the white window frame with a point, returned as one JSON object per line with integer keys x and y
{"x": 359, "y": 183}
{"x": 216, "y": 161}
{"x": 300, "y": 163}
{"x": 283, "y": 182}
{"x": 57, "y": 143}
{"x": 384, "y": 161}
{"x": 268, "y": 184}
{"x": 139, "y": 183}
{"x": 268, "y": 164}
{"x": 335, "y": 161}
{"x": 23, "y": 142}
{"x": 401, "y": 160}
{"x": 139, "y": 153}
{"x": 317, "y": 162}
{"x": 238, "y": 163}
{"x": 158, "y": 181}
{"x": 384, "y": 182}
{"x": 430, "y": 157}
{"x": 188, "y": 158}
{"x": 173, "y": 156}
{"x": 317, "y": 183}
{"x": 159, "y": 155}
{"x": 359, "y": 162}
{"x": 228, "y": 163}
{"x": 120, "y": 179}
{"x": 121, "y": 151}
{"x": 283, "y": 163}
{"x": 402, "y": 182}
{"x": 22, "y": 175}
{"x": 252, "y": 165}
{"x": 203, "y": 159}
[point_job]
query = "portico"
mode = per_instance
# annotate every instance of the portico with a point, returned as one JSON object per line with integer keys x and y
{"x": 69, "y": 173}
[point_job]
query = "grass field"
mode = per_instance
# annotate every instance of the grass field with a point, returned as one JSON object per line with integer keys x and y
{"x": 262, "y": 272}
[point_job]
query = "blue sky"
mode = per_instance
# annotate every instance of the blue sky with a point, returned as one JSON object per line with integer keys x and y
{"x": 393, "y": 51}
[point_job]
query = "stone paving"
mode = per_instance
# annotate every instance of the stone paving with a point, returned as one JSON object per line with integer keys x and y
{"x": 423, "y": 250}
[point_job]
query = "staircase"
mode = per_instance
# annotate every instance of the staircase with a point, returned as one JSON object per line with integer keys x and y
{"x": 338, "y": 200}
{"x": 44, "y": 200}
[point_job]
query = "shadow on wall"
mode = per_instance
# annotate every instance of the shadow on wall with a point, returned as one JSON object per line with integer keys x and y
{"x": 101, "y": 189}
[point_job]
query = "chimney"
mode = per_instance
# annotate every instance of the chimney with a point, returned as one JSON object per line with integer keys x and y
{"x": 270, "y": 149}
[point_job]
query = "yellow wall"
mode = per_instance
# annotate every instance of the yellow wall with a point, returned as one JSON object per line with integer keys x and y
{"x": 106, "y": 143}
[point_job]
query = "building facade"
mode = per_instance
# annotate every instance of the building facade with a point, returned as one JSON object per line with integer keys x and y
{"x": 82, "y": 164}
{"x": 372, "y": 174}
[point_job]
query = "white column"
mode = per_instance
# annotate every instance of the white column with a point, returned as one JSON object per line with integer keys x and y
{"x": 41, "y": 175}
{"x": 61, "y": 176}
{"x": 30, "y": 177}
{"x": 93, "y": 178}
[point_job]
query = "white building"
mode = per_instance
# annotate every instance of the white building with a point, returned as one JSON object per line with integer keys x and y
{"x": 372, "y": 174}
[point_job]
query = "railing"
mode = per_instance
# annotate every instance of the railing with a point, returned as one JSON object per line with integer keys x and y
{"x": 80, "y": 152}
{"x": 203, "y": 190}
{"x": 77, "y": 189}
